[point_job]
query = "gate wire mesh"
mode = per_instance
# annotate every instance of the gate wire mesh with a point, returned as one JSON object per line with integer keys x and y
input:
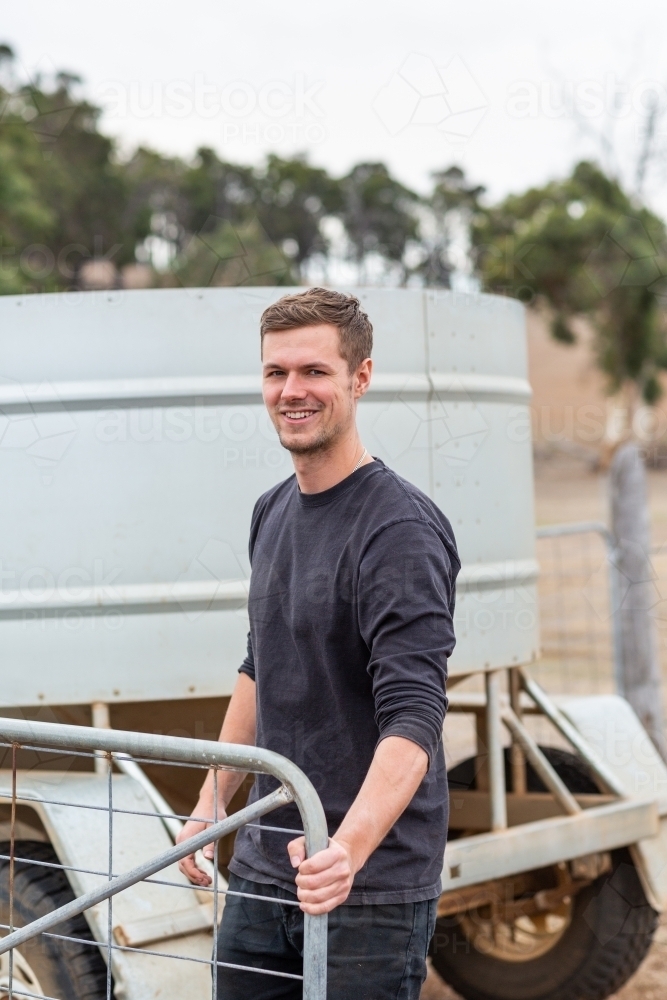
{"x": 107, "y": 932}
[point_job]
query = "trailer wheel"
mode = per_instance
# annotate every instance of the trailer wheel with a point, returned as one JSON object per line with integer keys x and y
{"x": 586, "y": 948}
{"x": 47, "y": 967}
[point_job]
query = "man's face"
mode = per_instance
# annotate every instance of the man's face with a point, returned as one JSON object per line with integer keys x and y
{"x": 308, "y": 390}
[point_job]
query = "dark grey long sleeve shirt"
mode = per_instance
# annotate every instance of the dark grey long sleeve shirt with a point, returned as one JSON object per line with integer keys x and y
{"x": 351, "y": 605}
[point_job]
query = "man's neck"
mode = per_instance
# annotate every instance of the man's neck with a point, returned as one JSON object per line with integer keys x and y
{"x": 321, "y": 470}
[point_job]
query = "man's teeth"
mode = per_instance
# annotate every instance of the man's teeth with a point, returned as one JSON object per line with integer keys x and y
{"x": 300, "y": 415}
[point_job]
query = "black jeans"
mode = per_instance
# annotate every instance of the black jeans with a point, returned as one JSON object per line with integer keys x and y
{"x": 376, "y": 952}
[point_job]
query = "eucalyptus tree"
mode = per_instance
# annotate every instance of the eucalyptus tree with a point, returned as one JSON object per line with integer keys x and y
{"x": 380, "y": 216}
{"x": 445, "y": 226}
{"x": 584, "y": 247}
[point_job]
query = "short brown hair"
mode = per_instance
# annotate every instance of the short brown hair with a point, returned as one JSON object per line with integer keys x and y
{"x": 320, "y": 305}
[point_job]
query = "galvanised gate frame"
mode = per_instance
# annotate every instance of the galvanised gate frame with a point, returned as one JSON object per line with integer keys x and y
{"x": 295, "y": 787}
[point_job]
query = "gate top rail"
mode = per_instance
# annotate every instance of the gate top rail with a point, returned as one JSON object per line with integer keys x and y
{"x": 182, "y": 750}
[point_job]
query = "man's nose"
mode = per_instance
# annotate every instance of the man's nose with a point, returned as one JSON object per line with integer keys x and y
{"x": 294, "y": 387}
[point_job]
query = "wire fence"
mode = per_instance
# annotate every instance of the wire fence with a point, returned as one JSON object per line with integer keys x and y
{"x": 147, "y": 931}
{"x": 576, "y": 600}
{"x": 577, "y": 648}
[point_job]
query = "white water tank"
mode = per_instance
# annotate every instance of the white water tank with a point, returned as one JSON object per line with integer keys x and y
{"x": 134, "y": 443}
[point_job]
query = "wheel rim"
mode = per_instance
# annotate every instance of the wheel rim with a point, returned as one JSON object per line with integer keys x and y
{"x": 22, "y": 976}
{"x": 520, "y": 940}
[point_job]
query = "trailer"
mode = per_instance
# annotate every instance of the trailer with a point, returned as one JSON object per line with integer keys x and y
{"x": 133, "y": 445}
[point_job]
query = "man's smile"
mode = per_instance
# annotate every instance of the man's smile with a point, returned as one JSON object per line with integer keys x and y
{"x": 297, "y": 416}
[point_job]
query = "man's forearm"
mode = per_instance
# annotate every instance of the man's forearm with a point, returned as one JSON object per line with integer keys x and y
{"x": 239, "y": 726}
{"x": 325, "y": 879}
{"x": 395, "y": 774}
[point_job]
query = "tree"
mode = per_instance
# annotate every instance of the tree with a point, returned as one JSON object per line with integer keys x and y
{"x": 583, "y": 247}
{"x": 25, "y": 217}
{"x": 292, "y": 199}
{"x": 157, "y": 206}
{"x": 62, "y": 192}
{"x": 240, "y": 254}
{"x": 379, "y": 215}
{"x": 213, "y": 189}
{"x": 449, "y": 211}
{"x": 79, "y": 176}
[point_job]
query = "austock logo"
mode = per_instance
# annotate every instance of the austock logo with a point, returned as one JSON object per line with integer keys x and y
{"x": 626, "y": 257}
{"x": 454, "y": 429}
{"x": 446, "y": 98}
{"x": 34, "y": 420}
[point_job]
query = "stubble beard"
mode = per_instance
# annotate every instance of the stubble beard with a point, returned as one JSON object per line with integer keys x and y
{"x": 323, "y": 441}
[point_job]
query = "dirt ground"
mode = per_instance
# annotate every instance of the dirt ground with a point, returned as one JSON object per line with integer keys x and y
{"x": 566, "y": 491}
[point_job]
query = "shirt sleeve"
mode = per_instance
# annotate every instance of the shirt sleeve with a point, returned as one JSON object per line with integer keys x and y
{"x": 406, "y": 607}
{"x": 248, "y": 665}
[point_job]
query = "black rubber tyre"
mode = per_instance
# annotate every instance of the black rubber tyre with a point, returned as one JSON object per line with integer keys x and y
{"x": 63, "y": 969}
{"x": 571, "y": 769}
{"x": 609, "y": 933}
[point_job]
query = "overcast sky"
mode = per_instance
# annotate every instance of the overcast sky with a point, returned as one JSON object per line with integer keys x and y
{"x": 496, "y": 87}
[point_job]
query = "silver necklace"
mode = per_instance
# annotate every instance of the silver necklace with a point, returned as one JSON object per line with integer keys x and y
{"x": 363, "y": 456}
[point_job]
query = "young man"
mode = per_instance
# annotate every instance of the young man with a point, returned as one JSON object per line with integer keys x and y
{"x": 351, "y": 604}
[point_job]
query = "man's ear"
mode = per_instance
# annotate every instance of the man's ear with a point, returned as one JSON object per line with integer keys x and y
{"x": 362, "y": 378}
